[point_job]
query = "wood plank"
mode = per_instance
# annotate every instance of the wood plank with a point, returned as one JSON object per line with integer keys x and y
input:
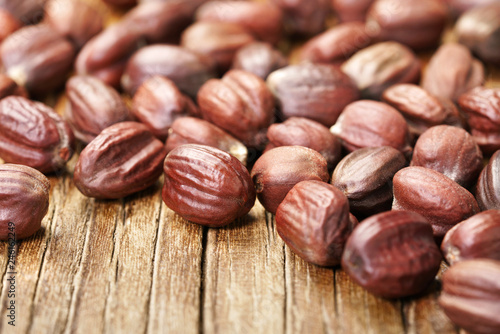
{"x": 362, "y": 312}
{"x": 175, "y": 293}
{"x": 310, "y": 297}
{"x": 127, "y": 306}
{"x": 243, "y": 290}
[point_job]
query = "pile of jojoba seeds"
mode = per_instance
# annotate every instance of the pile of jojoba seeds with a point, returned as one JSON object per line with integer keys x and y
{"x": 323, "y": 110}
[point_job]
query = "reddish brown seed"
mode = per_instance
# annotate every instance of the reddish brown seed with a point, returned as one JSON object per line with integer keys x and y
{"x": 259, "y": 58}
{"x": 316, "y": 91}
{"x": 471, "y": 295}
{"x": 123, "y": 159}
{"x": 24, "y": 200}
{"x": 158, "y": 103}
{"x": 351, "y": 10}
{"x": 475, "y": 238}
{"x": 93, "y": 106}
{"x": 442, "y": 201}
{"x": 303, "y": 17}
{"x": 33, "y": 134}
{"x": 207, "y": 186}
{"x": 279, "y": 169}
{"x": 488, "y": 185}
{"x": 8, "y": 24}
{"x": 313, "y": 220}
{"x": 239, "y": 103}
{"x": 392, "y": 254}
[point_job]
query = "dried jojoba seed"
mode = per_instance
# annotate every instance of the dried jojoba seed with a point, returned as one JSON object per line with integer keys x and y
{"x": 8, "y": 24}
{"x": 365, "y": 177}
{"x": 26, "y": 11}
{"x": 471, "y": 295}
{"x": 482, "y": 107}
{"x": 187, "y": 69}
{"x": 392, "y": 254}
{"x": 239, "y": 103}
{"x": 313, "y": 220}
{"x": 37, "y": 58}
{"x": 303, "y": 17}
{"x": 415, "y": 23}
{"x": 123, "y": 159}
{"x": 216, "y": 40}
{"x": 479, "y": 30}
{"x": 259, "y": 58}
{"x": 336, "y": 44}
{"x": 24, "y": 200}
{"x": 372, "y": 124}
{"x": 351, "y": 10}
{"x": 488, "y": 184}
{"x": 34, "y": 135}
{"x": 190, "y": 130}
{"x": 473, "y": 238}
{"x": 452, "y": 71}
{"x": 421, "y": 109}
{"x": 263, "y": 20}
{"x": 305, "y": 132}
{"x": 278, "y": 170}
{"x": 435, "y": 196}
{"x": 451, "y": 151}
{"x": 316, "y": 91}
{"x": 93, "y": 106}
{"x": 206, "y": 186}
{"x": 380, "y": 66}
{"x": 158, "y": 103}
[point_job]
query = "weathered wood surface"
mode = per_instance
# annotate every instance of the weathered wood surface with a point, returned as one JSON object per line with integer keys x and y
{"x": 134, "y": 266}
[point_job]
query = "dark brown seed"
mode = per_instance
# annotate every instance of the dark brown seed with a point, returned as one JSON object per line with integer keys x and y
{"x": 24, "y": 200}
{"x": 279, "y": 169}
{"x": 365, "y": 177}
{"x": 123, "y": 159}
{"x": 488, "y": 185}
{"x": 304, "y": 17}
{"x": 392, "y": 254}
{"x": 207, "y": 186}
{"x": 471, "y": 295}
{"x": 442, "y": 201}
{"x": 259, "y": 58}
{"x": 34, "y": 135}
{"x": 313, "y": 220}
{"x": 475, "y": 238}
{"x": 316, "y": 91}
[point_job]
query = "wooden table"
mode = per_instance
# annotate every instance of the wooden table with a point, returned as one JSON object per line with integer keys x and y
{"x": 134, "y": 266}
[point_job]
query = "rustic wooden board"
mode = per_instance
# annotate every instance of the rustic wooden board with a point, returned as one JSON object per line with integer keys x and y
{"x": 134, "y": 266}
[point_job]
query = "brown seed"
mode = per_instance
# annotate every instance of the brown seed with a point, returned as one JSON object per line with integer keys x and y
{"x": 421, "y": 109}
{"x": 37, "y": 58}
{"x": 451, "y": 151}
{"x": 372, "y": 124}
{"x": 279, "y": 169}
{"x": 239, "y": 103}
{"x": 190, "y": 130}
{"x": 93, "y": 106}
{"x": 206, "y": 186}
{"x": 305, "y": 132}
{"x": 316, "y": 91}
{"x": 452, "y": 71}
{"x": 365, "y": 177}
{"x": 263, "y": 20}
{"x": 34, "y": 135}
{"x": 380, "y": 66}
{"x": 337, "y": 44}
{"x": 123, "y": 159}
{"x": 351, "y": 10}
{"x": 313, "y": 220}
{"x": 488, "y": 185}
{"x": 24, "y": 200}
{"x": 158, "y": 103}
{"x": 187, "y": 69}
{"x": 259, "y": 58}
{"x": 392, "y": 254}
{"x": 482, "y": 107}
{"x": 475, "y": 238}
{"x": 471, "y": 295}
{"x": 216, "y": 40}
{"x": 74, "y": 19}
{"x": 303, "y": 17}
{"x": 26, "y": 11}
{"x": 415, "y": 23}
{"x": 8, "y": 24}
{"x": 442, "y": 201}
